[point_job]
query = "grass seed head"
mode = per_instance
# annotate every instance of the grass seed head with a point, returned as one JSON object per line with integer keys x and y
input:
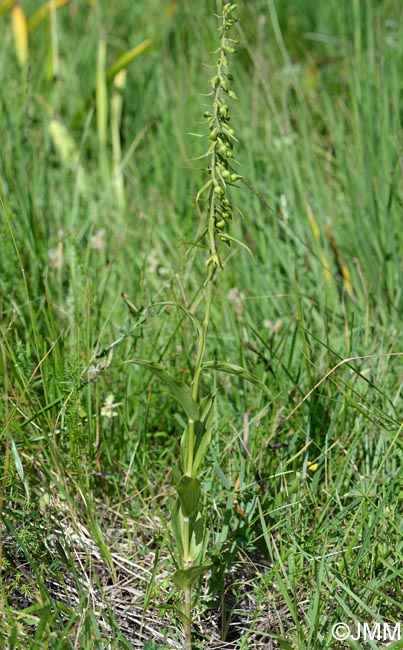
{"x": 20, "y": 33}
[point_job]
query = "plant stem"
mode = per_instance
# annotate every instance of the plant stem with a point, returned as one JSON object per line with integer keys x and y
{"x": 191, "y": 436}
{"x": 199, "y": 361}
{"x": 206, "y": 321}
{"x": 188, "y": 614}
{"x": 188, "y": 590}
{"x": 191, "y": 444}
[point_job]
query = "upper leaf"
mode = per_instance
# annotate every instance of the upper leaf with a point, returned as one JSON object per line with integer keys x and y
{"x": 232, "y": 369}
{"x": 179, "y": 390}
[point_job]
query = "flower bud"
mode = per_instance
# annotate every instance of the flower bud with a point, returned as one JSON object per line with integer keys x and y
{"x": 223, "y": 111}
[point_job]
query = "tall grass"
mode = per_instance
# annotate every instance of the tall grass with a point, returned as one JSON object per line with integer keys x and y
{"x": 303, "y": 535}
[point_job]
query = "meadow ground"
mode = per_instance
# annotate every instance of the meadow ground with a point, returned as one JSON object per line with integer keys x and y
{"x": 98, "y": 178}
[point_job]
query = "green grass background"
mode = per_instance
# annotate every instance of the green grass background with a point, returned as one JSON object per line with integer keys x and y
{"x": 319, "y": 127}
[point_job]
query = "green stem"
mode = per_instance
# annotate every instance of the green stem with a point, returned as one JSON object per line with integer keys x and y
{"x": 199, "y": 363}
{"x": 191, "y": 425}
{"x": 188, "y": 590}
{"x": 205, "y": 325}
{"x": 188, "y": 614}
{"x": 191, "y": 444}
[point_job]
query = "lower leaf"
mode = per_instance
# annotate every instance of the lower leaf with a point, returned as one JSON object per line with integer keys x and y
{"x": 185, "y": 578}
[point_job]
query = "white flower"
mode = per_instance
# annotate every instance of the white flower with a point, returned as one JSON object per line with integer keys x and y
{"x": 98, "y": 240}
{"x": 109, "y": 406}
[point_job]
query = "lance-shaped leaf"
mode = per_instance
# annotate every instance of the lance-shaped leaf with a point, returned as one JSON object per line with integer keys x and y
{"x": 224, "y": 236}
{"x": 177, "y": 526}
{"x": 206, "y": 406}
{"x": 203, "y": 189}
{"x": 202, "y": 441}
{"x": 179, "y": 610}
{"x": 202, "y": 433}
{"x": 203, "y": 430}
{"x": 198, "y": 538}
{"x": 19, "y": 467}
{"x": 185, "y": 578}
{"x": 188, "y": 490}
{"x": 179, "y": 390}
{"x": 192, "y": 317}
{"x": 232, "y": 369}
{"x": 197, "y": 533}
